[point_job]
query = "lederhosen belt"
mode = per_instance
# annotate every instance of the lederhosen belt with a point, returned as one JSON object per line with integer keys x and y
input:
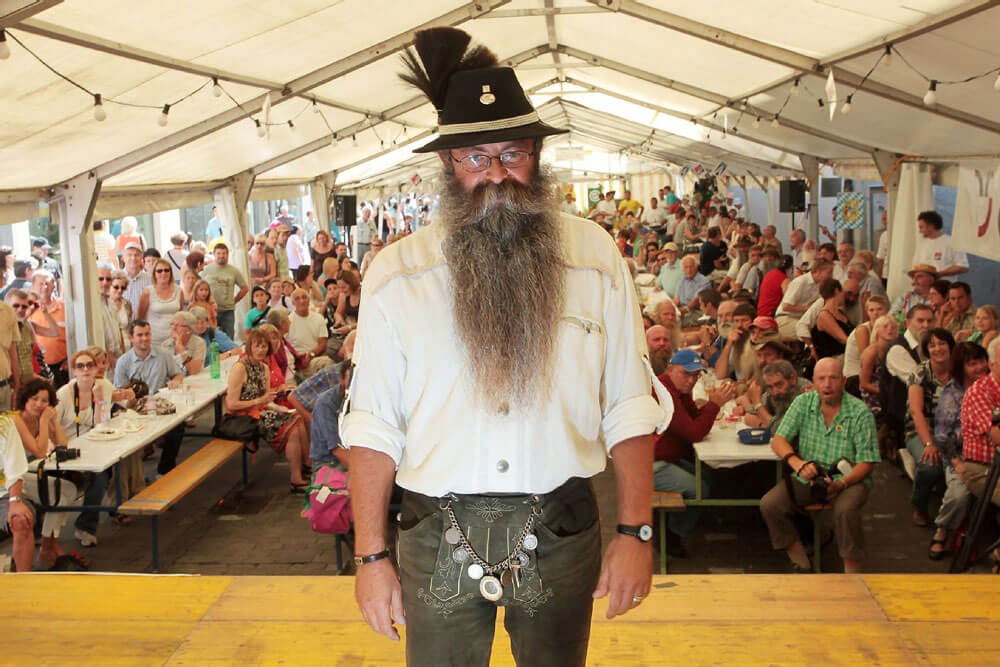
{"x": 493, "y": 538}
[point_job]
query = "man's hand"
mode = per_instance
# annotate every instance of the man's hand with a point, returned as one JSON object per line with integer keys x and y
{"x": 834, "y": 487}
{"x": 380, "y": 597}
{"x": 808, "y": 472}
{"x": 722, "y": 393}
{"x": 959, "y": 465}
{"x": 626, "y": 572}
{"x": 734, "y": 337}
{"x": 931, "y": 455}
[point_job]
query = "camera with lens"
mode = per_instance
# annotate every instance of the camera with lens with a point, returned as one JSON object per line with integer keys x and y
{"x": 819, "y": 487}
{"x": 64, "y": 453}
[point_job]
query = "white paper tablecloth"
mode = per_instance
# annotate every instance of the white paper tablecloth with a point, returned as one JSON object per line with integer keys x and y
{"x": 723, "y": 449}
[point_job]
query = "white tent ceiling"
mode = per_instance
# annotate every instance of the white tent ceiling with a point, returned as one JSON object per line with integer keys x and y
{"x": 638, "y": 83}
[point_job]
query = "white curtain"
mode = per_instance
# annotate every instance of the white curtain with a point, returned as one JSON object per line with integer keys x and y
{"x": 916, "y": 194}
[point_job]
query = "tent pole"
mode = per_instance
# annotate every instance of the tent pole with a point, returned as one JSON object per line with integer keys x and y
{"x": 888, "y": 168}
{"x": 74, "y": 201}
{"x": 810, "y": 165}
{"x": 232, "y": 202}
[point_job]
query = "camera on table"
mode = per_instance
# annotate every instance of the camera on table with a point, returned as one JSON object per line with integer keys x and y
{"x": 64, "y": 453}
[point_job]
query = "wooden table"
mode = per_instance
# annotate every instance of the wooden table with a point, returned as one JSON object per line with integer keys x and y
{"x": 687, "y": 620}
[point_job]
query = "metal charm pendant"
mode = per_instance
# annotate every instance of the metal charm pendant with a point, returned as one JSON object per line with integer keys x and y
{"x": 475, "y": 571}
{"x": 460, "y": 555}
{"x": 530, "y": 542}
{"x": 516, "y": 574}
{"x": 452, "y": 535}
{"x": 490, "y": 588}
{"x": 522, "y": 558}
{"x": 506, "y": 578}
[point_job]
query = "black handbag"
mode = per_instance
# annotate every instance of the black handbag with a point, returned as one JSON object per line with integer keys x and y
{"x": 242, "y": 428}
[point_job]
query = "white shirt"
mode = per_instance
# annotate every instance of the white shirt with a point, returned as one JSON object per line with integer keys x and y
{"x": 939, "y": 254}
{"x": 883, "y": 246}
{"x": 12, "y": 456}
{"x": 412, "y": 396}
{"x": 802, "y": 291}
{"x": 839, "y": 272}
{"x": 654, "y": 217}
{"x": 305, "y": 332}
{"x": 570, "y": 208}
{"x": 803, "y": 328}
{"x": 66, "y": 410}
{"x": 898, "y": 361}
{"x": 607, "y": 208}
{"x": 852, "y": 355}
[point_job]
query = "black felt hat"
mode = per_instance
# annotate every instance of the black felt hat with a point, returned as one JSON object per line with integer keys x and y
{"x": 477, "y": 101}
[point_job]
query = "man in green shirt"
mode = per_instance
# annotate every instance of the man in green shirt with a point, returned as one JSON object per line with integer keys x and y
{"x": 831, "y": 425}
{"x": 223, "y": 278}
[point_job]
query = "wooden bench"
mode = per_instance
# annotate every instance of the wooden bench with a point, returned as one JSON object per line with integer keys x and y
{"x": 167, "y": 491}
{"x": 663, "y": 502}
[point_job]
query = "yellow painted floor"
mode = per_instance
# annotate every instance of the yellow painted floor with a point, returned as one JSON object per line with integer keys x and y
{"x": 89, "y": 619}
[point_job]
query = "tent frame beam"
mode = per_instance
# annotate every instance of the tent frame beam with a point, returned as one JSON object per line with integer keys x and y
{"x": 30, "y": 9}
{"x": 68, "y": 36}
{"x": 709, "y": 96}
{"x": 294, "y": 88}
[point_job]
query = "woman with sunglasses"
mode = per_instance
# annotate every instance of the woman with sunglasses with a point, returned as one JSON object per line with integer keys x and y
{"x": 120, "y": 307}
{"x": 263, "y": 266}
{"x": 160, "y": 302}
{"x": 40, "y": 432}
{"x": 82, "y": 404}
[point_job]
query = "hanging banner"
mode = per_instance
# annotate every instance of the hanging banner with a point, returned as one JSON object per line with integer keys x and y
{"x": 976, "y": 229}
{"x": 850, "y": 210}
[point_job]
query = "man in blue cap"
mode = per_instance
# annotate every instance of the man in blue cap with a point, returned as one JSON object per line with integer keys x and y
{"x": 673, "y": 469}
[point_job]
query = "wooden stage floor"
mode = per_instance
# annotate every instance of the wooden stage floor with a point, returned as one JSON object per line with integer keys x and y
{"x": 690, "y": 619}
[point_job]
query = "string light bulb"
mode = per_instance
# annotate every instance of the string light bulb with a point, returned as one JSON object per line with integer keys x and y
{"x": 216, "y": 88}
{"x": 930, "y": 97}
{"x": 819, "y": 101}
{"x": 756, "y": 122}
{"x": 846, "y": 109}
{"x": 774, "y": 122}
{"x": 291, "y": 125}
{"x": 164, "y": 116}
{"x": 315, "y": 106}
{"x": 261, "y": 130}
{"x": 4, "y": 48}
{"x": 334, "y": 139}
{"x": 996, "y": 84}
{"x": 887, "y": 58}
{"x": 354, "y": 140}
{"x": 99, "y": 113}
{"x": 795, "y": 87}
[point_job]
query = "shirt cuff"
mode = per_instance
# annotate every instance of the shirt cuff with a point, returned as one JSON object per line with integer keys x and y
{"x": 631, "y": 418}
{"x": 363, "y": 429}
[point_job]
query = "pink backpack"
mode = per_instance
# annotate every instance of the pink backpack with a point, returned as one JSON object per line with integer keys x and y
{"x": 328, "y": 501}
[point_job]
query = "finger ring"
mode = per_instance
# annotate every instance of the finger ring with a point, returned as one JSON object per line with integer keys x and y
{"x": 637, "y": 599}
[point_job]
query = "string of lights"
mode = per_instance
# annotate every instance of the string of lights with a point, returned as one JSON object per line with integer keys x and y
{"x": 262, "y": 125}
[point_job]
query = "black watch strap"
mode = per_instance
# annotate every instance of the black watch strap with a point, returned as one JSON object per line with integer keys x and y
{"x": 642, "y": 532}
{"x": 371, "y": 558}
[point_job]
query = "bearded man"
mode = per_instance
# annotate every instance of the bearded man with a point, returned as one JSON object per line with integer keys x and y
{"x": 524, "y": 374}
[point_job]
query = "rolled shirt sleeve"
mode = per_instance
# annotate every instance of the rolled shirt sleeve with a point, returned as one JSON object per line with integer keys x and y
{"x": 628, "y": 407}
{"x": 372, "y": 416}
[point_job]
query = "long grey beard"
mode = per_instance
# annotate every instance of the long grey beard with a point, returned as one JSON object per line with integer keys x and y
{"x": 504, "y": 251}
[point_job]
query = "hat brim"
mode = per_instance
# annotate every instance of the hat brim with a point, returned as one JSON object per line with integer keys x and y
{"x": 911, "y": 273}
{"x": 448, "y": 141}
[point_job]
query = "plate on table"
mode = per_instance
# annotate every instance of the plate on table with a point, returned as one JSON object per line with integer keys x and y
{"x": 131, "y": 426}
{"x": 104, "y": 434}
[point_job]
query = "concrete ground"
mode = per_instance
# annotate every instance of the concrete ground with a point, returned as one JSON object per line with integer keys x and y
{"x": 221, "y": 529}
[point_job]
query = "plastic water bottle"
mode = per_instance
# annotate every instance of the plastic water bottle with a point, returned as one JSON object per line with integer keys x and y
{"x": 213, "y": 355}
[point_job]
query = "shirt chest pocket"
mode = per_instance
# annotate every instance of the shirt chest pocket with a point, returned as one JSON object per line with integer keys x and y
{"x": 580, "y": 371}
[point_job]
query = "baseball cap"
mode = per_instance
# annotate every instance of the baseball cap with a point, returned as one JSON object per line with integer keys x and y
{"x": 688, "y": 360}
{"x": 764, "y": 322}
{"x": 40, "y": 243}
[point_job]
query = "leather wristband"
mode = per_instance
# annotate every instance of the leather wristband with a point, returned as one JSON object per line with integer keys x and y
{"x": 371, "y": 558}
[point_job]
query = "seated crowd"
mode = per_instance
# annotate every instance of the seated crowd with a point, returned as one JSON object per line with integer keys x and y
{"x": 808, "y": 346}
{"x": 161, "y": 316}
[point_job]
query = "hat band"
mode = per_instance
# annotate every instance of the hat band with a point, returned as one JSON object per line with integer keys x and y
{"x": 486, "y": 125}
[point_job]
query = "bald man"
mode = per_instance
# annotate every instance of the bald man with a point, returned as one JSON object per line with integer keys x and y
{"x": 660, "y": 347}
{"x": 837, "y": 449}
{"x": 307, "y": 334}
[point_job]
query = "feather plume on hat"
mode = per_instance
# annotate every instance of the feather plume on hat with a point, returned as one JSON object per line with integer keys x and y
{"x": 442, "y": 52}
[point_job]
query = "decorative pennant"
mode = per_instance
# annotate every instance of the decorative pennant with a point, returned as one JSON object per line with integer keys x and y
{"x": 831, "y": 94}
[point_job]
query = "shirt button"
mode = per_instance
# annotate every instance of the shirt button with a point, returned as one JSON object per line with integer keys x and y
{"x": 504, "y": 409}
{"x": 502, "y": 466}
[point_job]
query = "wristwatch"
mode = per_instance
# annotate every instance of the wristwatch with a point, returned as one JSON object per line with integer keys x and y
{"x": 643, "y": 532}
{"x": 15, "y": 499}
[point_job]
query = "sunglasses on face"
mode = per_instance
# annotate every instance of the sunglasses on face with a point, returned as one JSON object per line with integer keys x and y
{"x": 19, "y": 306}
{"x": 163, "y": 271}
{"x": 117, "y": 288}
{"x": 84, "y": 365}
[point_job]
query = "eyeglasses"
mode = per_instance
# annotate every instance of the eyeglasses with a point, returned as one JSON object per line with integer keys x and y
{"x": 19, "y": 306}
{"x": 163, "y": 271}
{"x": 32, "y": 304}
{"x": 478, "y": 162}
{"x": 104, "y": 279}
{"x": 117, "y": 288}
{"x": 84, "y": 365}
